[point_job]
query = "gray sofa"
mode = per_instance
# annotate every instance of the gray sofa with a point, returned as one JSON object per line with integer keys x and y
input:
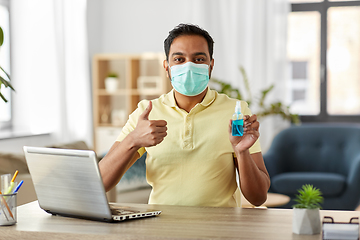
{"x": 326, "y": 156}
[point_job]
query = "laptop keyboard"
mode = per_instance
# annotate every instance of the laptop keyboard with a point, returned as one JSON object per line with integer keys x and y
{"x": 122, "y": 211}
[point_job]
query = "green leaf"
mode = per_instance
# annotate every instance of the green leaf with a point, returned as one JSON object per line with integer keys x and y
{"x": 2, "y": 96}
{"x": 6, "y": 83}
{"x": 264, "y": 93}
{"x": 308, "y": 197}
{"x": 113, "y": 74}
{"x": 274, "y": 108}
{"x": 5, "y": 72}
{"x": 1, "y": 37}
{"x": 246, "y": 82}
{"x": 227, "y": 89}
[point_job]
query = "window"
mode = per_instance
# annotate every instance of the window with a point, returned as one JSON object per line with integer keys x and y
{"x": 324, "y": 57}
{"x": 5, "y": 108}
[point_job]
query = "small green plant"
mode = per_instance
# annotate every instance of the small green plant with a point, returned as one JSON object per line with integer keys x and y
{"x": 113, "y": 75}
{"x": 309, "y": 197}
{"x": 275, "y": 108}
{"x": 3, "y": 81}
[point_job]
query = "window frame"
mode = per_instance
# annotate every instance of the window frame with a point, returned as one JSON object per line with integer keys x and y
{"x": 322, "y": 8}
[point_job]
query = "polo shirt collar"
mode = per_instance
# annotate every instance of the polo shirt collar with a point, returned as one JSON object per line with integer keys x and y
{"x": 209, "y": 98}
{"x": 169, "y": 99}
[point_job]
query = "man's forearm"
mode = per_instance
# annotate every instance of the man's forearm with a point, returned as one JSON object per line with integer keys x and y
{"x": 254, "y": 179}
{"x": 117, "y": 161}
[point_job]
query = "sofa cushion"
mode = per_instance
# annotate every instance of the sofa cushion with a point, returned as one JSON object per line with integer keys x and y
{"x": 330, "y": 184}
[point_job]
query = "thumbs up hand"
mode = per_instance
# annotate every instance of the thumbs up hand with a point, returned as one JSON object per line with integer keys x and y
{"x": 149, "y": 132}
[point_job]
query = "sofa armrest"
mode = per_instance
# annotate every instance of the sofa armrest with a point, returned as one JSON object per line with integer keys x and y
{"x": 352, "y": 193}
{"x": 273, "y": 164}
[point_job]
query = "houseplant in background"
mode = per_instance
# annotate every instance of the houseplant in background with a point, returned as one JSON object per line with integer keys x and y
{"x": 275, "y": 108}
{"x": 306, "y": 213}
{"x": 111, "y": 82}
{"x": 3, "y": 81}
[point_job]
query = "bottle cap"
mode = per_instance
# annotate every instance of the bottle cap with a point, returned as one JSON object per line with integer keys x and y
{"x": 238, "y": 107}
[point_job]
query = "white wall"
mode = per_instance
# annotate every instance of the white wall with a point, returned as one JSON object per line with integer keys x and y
{"x": 135, "y": 26}
{"x": 242, "y": 31}
{"x": 95, "y": 29}
{"x": 116, "y": 26}
{"x": 113, "y": 26}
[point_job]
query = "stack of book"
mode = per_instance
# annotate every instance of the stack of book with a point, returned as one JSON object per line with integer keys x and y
{"x": 344, "y": 231}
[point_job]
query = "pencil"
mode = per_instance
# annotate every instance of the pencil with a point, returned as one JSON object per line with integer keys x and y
{"x": 15, "y": 174}
{"x": 2, "y": 208}
{"x": 7, "y": 206}
{"x": 10, "y": 188}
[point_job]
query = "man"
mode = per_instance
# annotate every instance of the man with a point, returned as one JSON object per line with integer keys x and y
{"x": 191, "y": 155}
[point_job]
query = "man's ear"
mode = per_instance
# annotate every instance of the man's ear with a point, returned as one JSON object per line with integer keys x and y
{"x": 166, "y": 67}
{"x": 211, "y": 67}
{"x": 211, "y": 64}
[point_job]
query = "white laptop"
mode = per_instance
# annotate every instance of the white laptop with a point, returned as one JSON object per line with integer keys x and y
{"x": 68, "y": 183}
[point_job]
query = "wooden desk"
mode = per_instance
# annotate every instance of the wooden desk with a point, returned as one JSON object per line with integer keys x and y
{"x": 273, "y": 200}
{"x": 175, "y": 222}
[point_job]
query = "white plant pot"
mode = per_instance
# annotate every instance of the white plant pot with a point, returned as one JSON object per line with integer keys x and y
{"x": 118, "y": 117}
{"x": 306, "y": 221}
{"x": 111, "y": 84}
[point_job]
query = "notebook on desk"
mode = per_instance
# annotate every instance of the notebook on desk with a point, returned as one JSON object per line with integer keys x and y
{"x": 68, "y": 183}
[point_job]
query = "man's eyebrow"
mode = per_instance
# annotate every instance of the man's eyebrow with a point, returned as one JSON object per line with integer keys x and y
{"x": 177, "y": 53}
{"x": 195, "y": 54}
{"x": 200, "y": 53}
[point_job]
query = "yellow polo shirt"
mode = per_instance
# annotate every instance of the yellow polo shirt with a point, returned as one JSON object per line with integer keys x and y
{"x": 194, "y": 164}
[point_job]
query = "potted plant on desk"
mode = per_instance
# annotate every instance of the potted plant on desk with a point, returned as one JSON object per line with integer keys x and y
{"x": 306, "y": 213}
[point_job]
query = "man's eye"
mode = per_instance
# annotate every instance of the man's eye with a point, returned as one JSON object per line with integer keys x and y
{"x": 199, "y": 59}
{"x": 177, "y": 60}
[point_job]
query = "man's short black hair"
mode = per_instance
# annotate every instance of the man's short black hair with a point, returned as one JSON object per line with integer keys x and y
{"x": 187, "y": 29}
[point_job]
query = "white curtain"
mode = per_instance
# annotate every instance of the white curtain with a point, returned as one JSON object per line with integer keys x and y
{"x": 252, "y": 34}
{"x": 73, "y": 64}
{"x": 50, "y": 69}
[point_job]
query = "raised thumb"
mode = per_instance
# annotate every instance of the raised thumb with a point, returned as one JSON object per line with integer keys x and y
{"x": 145, "y": 114}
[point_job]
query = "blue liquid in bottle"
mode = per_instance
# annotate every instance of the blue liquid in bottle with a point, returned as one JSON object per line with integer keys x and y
{"x": 237, "y": 128}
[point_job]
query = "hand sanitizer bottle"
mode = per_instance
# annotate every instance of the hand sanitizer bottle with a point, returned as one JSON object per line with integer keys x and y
{"x": 238, "y": 121}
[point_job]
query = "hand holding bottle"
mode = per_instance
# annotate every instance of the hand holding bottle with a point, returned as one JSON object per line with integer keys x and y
{"x": 250, "y": 133}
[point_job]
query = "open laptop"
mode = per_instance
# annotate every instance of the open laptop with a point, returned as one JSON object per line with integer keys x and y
{"x": 68, "y": 183}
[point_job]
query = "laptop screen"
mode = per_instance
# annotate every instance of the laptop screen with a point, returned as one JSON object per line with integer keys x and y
{"x": 68, "y": 182}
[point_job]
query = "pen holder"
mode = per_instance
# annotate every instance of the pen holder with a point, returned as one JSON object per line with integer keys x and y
{"x": 8, "y": 209}
{"x": 5, "y": 182}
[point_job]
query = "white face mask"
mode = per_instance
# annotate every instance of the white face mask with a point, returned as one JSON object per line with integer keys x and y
{"x": 190, "y": 79}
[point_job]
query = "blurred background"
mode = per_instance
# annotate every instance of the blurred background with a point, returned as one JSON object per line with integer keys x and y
{"x": 309, "y": 50}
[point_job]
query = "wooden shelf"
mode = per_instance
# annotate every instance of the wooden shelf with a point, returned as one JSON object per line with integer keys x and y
{"x": 111, "y": 109}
